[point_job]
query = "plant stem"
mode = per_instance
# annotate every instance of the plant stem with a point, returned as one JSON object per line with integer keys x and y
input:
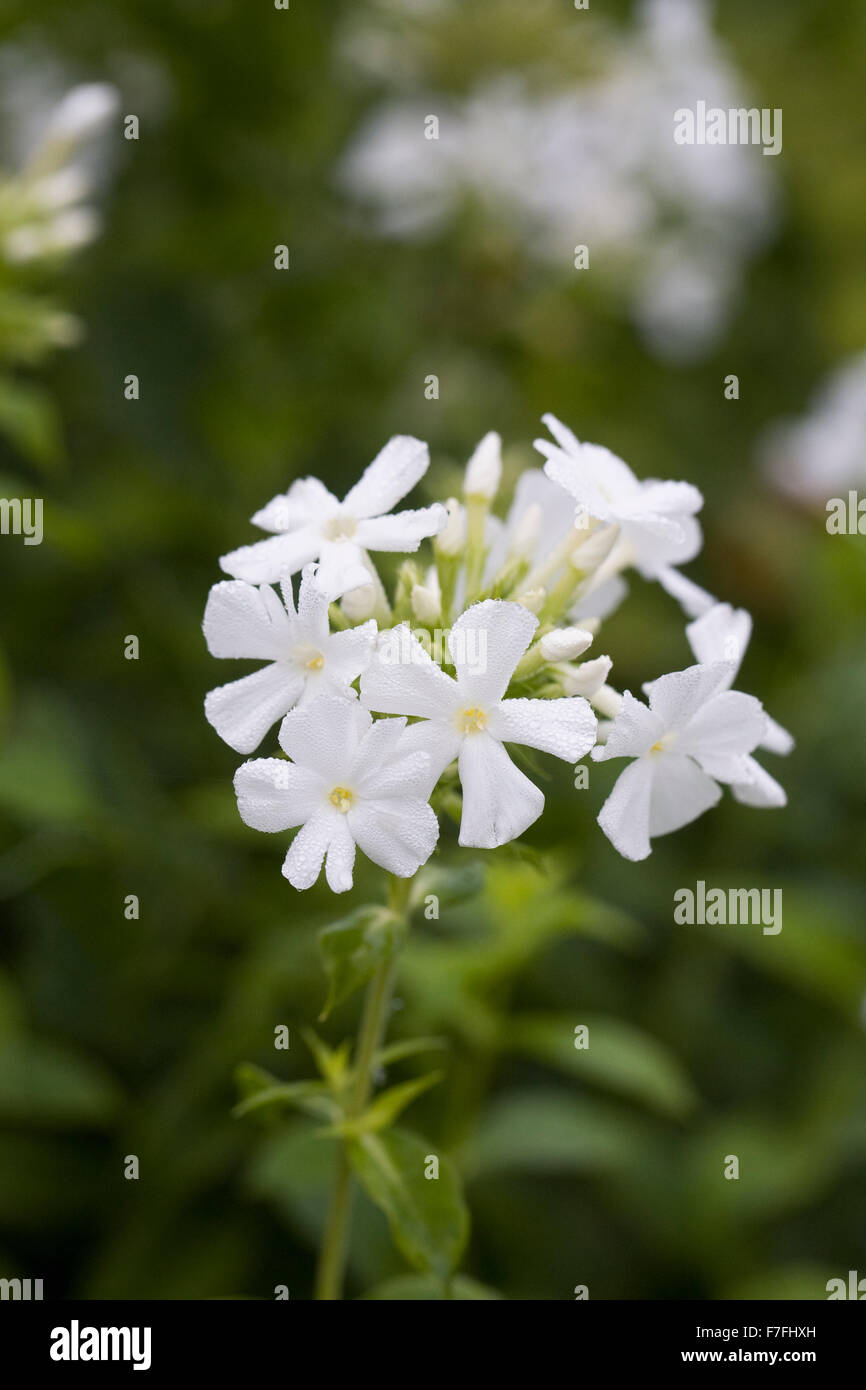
{"x": 332, "y": 1259}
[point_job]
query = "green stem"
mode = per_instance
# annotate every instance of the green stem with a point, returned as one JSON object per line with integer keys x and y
{"x": 332, "y": 1260}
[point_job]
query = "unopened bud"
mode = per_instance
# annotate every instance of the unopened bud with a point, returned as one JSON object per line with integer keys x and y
{"x": 533, "y": 599}
{"x": 452, "y": 538}
{"x": 526, "y": 533}
{"x": 359, "y": 604}
{"x": 595, "y": 549}
{"x": 484, "y": 469}
{"x": 425, "y": 604}
{"x": 565, "y": 643}
{"x": 585, "y": 679}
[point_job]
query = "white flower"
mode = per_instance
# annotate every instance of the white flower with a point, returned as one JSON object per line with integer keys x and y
{"x": 312, "y": 524}
{"x": 823, "y": 453}
{"x": 695, "y": 733}
{"x": 469, "y": 720}
{"x": 722, "y": 634}
{"x": 305, "y": 658}
{"x": 656, "y": 519}
{"x": 350, "y": 783}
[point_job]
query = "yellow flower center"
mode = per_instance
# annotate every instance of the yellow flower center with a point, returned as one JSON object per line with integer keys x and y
{"x": 342, "y": 798}
{"x": 316, "y": 662}
{"x": 663, "y": 744}
{"x": 471, "y": 720}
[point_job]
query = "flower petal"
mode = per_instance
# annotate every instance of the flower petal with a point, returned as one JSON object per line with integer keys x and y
{"x": 720, "y": 634}
{"x": 564, "y": 727}
{"x": 325, "y": 735}
{"x": 401, "y": 530}
{"x": 303, "y": 863}
{"x": 486, "y": 643}
{"x": 266, "y": 561}
{"x": 313, "y": 603}
{"x": 625, "y": 816}
{"x": 680, "y": 793}
{"x": 632, "y": 733}
{"x": 240, "y": 622}
{"x": 728, "y": 723}
{"x": 276, "y": 795}
{"x": 307, "y": 501}
{"x": 499, "y": 802}
{"x": 397, "y": 833}
{"x": 394, "y": 471}
{"x": 403, "y": 678}
{"x": 759, "y": 788}
{"x": 440, "y": 741}
{"x": 565, "y": 438}
{"x": 349, "y": 653}
{"x": 340, "y": 859}
{"x": 690, "y": 596}
{"x": 677, "y": 697}
{"x": 776, "y": 739}
{"x": 244, "y": 710}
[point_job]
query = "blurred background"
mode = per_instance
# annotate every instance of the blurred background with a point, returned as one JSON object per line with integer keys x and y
{"x": 118, "y": 1035}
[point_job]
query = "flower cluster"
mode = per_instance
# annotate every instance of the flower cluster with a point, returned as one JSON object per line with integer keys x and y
{"x": 393, "y": 710}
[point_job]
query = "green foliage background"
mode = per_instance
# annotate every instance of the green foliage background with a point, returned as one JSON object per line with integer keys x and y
{"x": 119, "y": 1037}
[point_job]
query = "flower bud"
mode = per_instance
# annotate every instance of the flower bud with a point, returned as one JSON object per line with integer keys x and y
{"x": 565, "y": 643}
{"x": 595, "y": 549}
{"x": 484, "y": 469}
{"x": 452, "y": 538}
{"x": 585, "y": 679}
{"x": 359, "y": 604}
{"x": 524, "y": 540}
{"x": 533, "y": 599}
{"x": 426, "y": 604}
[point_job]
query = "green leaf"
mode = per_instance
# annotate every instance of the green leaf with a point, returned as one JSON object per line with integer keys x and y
{"x": 384, "y": 1110}
{"x": 395, "y": 1052}
{"x": 414, "y": 1287}
{"x": 28, "y": 416}
{"x": 311, "y": 1097}
{"x": 352, "y": 949}
{"x": 552, "y": 1132}
{"x": 332, "y": 1062}
{"x": 428, "y": 1216}
{"x": 42, "y": 1084}
{"x": 620, "y": 1057}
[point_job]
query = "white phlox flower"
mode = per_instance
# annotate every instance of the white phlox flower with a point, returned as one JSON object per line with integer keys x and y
{"x": 656, "y": 520}
{"x": 305, "y": 659}
{"x": 350, "y": 783}
{"x": 723, "y": 634}
{"x": 467, "y": 718}
{"x": 310, "y": 523}
{"x": 695, "y": 733}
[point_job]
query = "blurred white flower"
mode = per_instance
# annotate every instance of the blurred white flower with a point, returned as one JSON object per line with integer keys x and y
{"x": 468, "y": 718}
{"x": 350, "y": 783}
{"x": 43, "y": 211}
{"x": 312, "y": 524}
{"x": 595, "y": 164}
{"x": 695, "y": 733}
{"x": 824, "y": 453}
{"x": 305, "y": 658}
